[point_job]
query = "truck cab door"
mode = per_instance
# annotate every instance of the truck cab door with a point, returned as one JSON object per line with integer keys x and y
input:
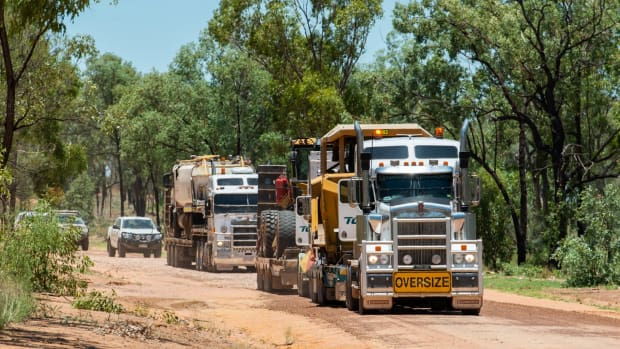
{"x": 302, "y": 220}
{"x": 348, "y": 210}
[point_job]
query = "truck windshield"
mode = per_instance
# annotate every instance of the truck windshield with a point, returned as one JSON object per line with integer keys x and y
{"x": 425, "y": 187}
{"x": 235, "y": 203}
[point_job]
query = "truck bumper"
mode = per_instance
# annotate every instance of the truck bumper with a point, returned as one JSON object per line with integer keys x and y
{"x": 467, "y": 301}
{"x": 228, "y": 263}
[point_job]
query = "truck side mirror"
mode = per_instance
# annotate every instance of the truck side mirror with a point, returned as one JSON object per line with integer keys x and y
{"x": 167, "y": 180}
{"x": 354, "y": 188}
{"x": 474, "y": 194}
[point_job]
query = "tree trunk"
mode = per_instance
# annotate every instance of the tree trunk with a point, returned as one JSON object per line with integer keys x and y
{"x": 139, "y": 197}
{"x": 523, "y": 213}
{"x": 156, "y": 194}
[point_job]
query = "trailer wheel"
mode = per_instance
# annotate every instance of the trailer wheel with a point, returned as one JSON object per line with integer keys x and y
{"x": 321, "y": 291}
{"x": 199, "y": 254}
{"x": 267, "y": 281}
{"x": 259, "y": 279}
{"x": 302, "y": 286}
{"x": 268, "y": 228}
{"x": 285, "y": 232}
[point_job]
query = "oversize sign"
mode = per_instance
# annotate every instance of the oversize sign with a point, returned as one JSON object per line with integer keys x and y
{"x": 422, "y": 282}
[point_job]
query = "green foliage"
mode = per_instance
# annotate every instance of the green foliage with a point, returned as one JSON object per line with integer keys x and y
{"x": 594, "y": 257}
{"x": 494, "y": 226}
{"x": 39, "y": 251}
{"x": 80, "y": 196}
{"x": 16, "y": 302}
{"x": 98, "y": 301}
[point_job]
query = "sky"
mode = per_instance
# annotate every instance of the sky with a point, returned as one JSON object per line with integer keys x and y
{"x": 149, "y": 33}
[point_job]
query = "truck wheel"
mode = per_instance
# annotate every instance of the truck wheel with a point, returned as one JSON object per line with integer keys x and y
{"x": 360, "y": 308}
{"x": 111, "y": 250}
{"x": 268, "y": 227}
{"x": 350, "y": 302}
{"x": 147, "y": 254}
{"x": 473, "y": 312}
{"x": 285, "y": 232}
{"x": 302, "y": 286}
{"x": 121, "y": 250}
{"x": 313, "y": 295}
{"x": 259, "y": 279}
{"x": 320, "y": 297}
{"x": 199, "y": 255}
{"x": 157, "y": 252}
{"x": 85, "y": 244}
{"x": 267, "y": 281}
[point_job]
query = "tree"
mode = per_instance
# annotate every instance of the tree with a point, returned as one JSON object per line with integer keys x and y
{"x": 546, "y": 66}
{"x": 23, "y": 26}
{"x": 109, "y": 74}
{"x": 310, "y": 49}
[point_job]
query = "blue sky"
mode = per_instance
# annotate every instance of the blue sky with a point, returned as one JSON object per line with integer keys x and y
{"x": 149, "y": 33}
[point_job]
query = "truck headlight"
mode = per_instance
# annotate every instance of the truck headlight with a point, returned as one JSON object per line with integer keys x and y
{"x": 457, "y": 258}
{"x": 407, "y": 259}
{"x": 470, "y": 258}
{"x": 384, "y": 259}
{"x": 220, "y": 243}
{"x": 372, "y": 259}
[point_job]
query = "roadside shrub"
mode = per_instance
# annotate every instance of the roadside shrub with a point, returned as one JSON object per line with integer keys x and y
{"x": 594, "y": 258}
{"x": 16, "y": 302}
{"x": 98, "y": 301}
{"x": 496, "y": 232}
{"x": 44, "y": 254}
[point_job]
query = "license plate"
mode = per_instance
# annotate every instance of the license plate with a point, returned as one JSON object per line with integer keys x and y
{"x": 422, "y": 282}
{"x": 143, "y": 246}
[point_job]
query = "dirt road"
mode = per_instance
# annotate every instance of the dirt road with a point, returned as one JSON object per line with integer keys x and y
{"x": 173, "y": 308}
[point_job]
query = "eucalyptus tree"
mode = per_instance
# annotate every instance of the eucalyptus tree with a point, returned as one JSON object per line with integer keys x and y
{"x": 547, "y": 70}
{"x": 25, "y": 29}
{"x": 108, "y": 74}
{"x": 310, "y": 48}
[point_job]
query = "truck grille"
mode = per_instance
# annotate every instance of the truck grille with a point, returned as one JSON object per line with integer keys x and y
{"x": 244, "y": 236}
{"x": 421, "y": 238}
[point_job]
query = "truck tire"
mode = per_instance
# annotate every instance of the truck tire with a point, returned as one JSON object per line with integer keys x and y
{"x": 321, "y": 292}
{"x": 157, "y": 253}
{"x": 259, "y": 279}
{"x": 267, "y": 231}
{"x": 199, "y": 255}
{"x": 267, "y": 281}
{"x": 302, "y": 286}
{"x": 285, "y": 232}
{"x": 350, "y": 301}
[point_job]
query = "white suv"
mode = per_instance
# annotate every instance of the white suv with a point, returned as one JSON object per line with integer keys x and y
{"x": 134, "y": 234}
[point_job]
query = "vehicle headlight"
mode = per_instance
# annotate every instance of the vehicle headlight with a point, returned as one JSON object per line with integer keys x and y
{"x": 384, "y": 259}
{"x": 224, "y": 229}
{"x": 436, "y": 259}
{"x": 407, "y": 259}
{"x": 126, "y": 235}
{"x": 470, "y": 258}
{"x": 457, "y": 258}
{"x": 220, "y": 243}
{"x": 372, "y": 259}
